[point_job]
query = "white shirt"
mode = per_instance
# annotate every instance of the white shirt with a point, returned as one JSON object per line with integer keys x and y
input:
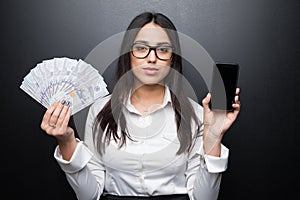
{"x": 149, "y": 164}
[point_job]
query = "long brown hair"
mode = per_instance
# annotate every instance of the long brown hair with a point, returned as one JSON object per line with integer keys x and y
{"x": 111, "y": 116}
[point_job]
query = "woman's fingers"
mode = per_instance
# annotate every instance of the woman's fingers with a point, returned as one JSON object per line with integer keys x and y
{"x": 56, "y": 113}
{"x": 56, "y": 117}
{"x": 47, "y": 116}
{"x": 64, "y": 116}
{"x": 237, "y": 104}
{"x": 205, "y": 102}
{"x": 237, "y": 91}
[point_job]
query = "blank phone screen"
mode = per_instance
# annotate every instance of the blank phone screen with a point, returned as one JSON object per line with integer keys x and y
{"x": 224, "y": 84}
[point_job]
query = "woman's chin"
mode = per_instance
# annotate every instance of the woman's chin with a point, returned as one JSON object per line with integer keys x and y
{"x": 149, "y": 82}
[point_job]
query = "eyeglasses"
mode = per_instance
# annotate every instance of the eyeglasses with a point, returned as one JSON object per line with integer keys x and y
{"x": 162, "y": 52}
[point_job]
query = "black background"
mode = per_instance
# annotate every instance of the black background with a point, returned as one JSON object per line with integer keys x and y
{"x": 261, "y": 35}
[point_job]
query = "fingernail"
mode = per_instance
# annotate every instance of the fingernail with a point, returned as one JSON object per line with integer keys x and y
{"x": 63, "y": 102}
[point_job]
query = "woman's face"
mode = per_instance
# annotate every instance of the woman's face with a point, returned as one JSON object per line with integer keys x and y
{"x": 151, "y": 69}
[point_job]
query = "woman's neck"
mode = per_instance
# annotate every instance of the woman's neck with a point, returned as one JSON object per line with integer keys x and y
{"x": 145, "y": 97}
{"x": 146, "y": 92}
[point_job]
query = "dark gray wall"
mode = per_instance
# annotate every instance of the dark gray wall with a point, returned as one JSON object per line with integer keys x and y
{"x": 261, "y": 35}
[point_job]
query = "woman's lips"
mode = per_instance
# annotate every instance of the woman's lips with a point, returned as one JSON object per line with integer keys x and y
{"x": 150, "y": 70}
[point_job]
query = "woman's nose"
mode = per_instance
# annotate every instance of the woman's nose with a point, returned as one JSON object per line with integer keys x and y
{"x": 152, "y": 57}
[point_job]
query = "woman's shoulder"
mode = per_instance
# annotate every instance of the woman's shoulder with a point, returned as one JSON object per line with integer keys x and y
{"x": 100, "y": 103}
{"x": 197, "y": 107}
{"x": 194, "y": 103}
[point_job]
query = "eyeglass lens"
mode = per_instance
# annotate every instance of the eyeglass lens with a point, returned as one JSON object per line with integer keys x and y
{"x": 162, "y": 52}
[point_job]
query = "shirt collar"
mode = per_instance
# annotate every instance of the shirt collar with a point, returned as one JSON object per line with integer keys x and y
{"x": 167, "y": 99}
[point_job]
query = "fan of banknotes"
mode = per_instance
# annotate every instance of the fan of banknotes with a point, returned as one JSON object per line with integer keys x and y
{"x": 74, "y": 81}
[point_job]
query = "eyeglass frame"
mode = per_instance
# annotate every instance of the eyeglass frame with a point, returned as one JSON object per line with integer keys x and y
{"x": 150, "y": 49}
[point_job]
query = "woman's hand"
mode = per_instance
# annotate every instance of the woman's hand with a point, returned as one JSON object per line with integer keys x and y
{"x": 55, "y": 123}
{"x": 216, "y": 123}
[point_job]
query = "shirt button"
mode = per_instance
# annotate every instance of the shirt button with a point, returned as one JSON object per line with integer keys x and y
{"x": 141, "y": 178}
{"x": 140, "y": 165}
{"x": 141, "y": 141}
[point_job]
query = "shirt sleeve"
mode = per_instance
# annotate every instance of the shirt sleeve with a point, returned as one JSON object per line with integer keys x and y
{"x": 204, "y": 172}
{"x": 85, "y": 171}
{"x": 85, "y": 183}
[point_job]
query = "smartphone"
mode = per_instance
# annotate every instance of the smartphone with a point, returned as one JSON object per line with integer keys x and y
{"x": 223, "y": 86}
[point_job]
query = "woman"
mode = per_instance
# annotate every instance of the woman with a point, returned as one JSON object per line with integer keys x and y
{"x": 146, "y": 140}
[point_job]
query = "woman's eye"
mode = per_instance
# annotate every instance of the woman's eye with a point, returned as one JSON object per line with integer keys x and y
{"x": 164, "y": 49}
{"x": 140, "y": 48}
